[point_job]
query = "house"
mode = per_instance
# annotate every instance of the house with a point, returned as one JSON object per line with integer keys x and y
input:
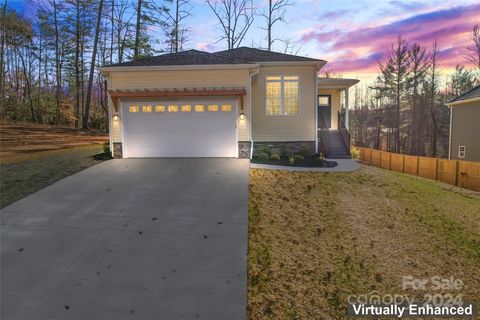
{"x": 225, "y": 104}
{"x": 464, "y": 126}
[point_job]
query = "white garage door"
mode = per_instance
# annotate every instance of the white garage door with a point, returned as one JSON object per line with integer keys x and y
{"x": 179, "y": 129}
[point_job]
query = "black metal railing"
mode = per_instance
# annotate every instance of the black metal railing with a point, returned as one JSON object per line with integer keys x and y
{"x": 342, "y": 129}
{"x": 324, "y": 136}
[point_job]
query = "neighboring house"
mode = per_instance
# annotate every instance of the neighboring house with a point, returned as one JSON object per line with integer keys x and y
{"x": 465, "y": 126}
{"x": 225, "y": 104}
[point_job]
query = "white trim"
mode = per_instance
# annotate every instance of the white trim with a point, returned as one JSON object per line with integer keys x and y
{"x": 316, "y": 111}
{"x": 450, "y": 104}
{"x": 124, "y": 129}
{"x": 282, "y": 94}
{"x": 250, "y": 117}
{"x": 179, "y": 67}
{"x": 347, "y": 118}
{"x": 319, "y": 63}
{"x": 464, "y": 152}
{"x": 450, "y": 136}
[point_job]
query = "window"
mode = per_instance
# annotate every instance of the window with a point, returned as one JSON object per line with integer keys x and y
{"x": 226, "y": 108}
{"x": 461, "y": 152}
{"x": 282, "y": 96}
{"x": 199, "y": 108}
{"x": 146, "y": 108}
{"x": 212, "y": 107}
{"x": 324, "y": 101}
{"x": 159, "y": 108}
{"x": 133, "y": 109}
{"x": 186, "y": 108}
{"x": 173, "y": 108}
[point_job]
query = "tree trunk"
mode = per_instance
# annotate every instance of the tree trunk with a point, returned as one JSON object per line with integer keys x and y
{"x": 269, "y": 27}
{"x": 92, "y": 67}
{"x": 2, "y": 55}
{"x": 77, "y": 66}
{"x": 137, "y": 30}
{"x": 58, "y": 87}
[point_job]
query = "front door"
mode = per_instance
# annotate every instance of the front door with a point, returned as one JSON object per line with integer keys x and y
{"x": 324, "y": 111}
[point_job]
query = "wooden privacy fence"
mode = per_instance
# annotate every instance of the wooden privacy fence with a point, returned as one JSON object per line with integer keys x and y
{"x": 463, "y": 174}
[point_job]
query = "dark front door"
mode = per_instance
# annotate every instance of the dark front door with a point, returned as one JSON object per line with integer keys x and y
{"x": 324, "y": 111}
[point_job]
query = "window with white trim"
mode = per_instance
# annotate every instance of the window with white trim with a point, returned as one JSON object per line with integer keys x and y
{"x": 461, "y": 152}
{"x": 282, "y": 95}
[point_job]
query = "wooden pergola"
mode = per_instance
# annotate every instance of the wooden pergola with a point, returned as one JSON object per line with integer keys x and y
{"x": 116, "y": 95}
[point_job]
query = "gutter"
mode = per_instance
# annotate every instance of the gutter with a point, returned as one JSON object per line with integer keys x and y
{"x": 177, "y": 67}
{"x": 250, "y": 116}
{"x": 450, "y": 104}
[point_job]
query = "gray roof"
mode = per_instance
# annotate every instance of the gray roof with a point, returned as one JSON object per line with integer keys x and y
{"x": 241, "y": 55}
{"x": 472, "y": 93}
{"x": 189, "y": 57}
{"x": 258, "y": 55}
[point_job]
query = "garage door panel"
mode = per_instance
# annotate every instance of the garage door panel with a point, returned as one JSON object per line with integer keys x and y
{"x": 180, "y": 134}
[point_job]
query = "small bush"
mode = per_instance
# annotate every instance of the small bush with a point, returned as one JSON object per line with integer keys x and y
{"x": 274, "y": 157}
{"x": 299, "y": 157}
{"x": 265, "y": 149}
{"x": 106, "y": 147}
{"x": 355, "y": 153}
{"x": 263, "y": 156}
{"x": 305, "y": 152}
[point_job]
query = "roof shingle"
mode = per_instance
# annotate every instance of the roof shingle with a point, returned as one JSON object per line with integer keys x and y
{"x": 242, "y": 55}
{"x": 472, "y": 93}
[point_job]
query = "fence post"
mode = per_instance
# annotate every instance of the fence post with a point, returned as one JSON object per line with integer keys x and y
{"x": 371, "y": 150}
{"x": 389, "y": 161}
{"x": 456, "y": 172}
{"x": 403, "y": 163}
{"x": 418, "y": 164}
{"x": 436, "y": 168}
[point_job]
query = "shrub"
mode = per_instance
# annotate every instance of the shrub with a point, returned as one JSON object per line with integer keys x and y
{"x": 274, "y": 157}
{"x": 106, "y": 147}
{"x": 291, "y": 159}
{"x": 299, "y": 157}
{"x": 355, "y": 153}
{"x": 305, "y": 152}
{"x": 265, "y": 149}
{"x": 263, "y": 156}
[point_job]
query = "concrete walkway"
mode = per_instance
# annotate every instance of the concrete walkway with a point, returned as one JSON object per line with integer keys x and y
{"x": 130, "y": 239}
{"x": 344, "y": 165}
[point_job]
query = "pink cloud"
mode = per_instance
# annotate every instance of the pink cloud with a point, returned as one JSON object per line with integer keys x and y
{"x": 359, "y": 50}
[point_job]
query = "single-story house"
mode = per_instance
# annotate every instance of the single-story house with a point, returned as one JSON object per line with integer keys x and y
{"x": 225, "y": 104}
{"x": 464, "y": 126}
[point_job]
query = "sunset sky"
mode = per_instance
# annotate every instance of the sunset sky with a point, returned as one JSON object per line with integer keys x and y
{"x": 351, "y": 35}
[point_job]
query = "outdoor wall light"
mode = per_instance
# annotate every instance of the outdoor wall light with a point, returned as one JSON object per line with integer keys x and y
{"x": 116, "y": 117}
{"x": 242, "y": 116}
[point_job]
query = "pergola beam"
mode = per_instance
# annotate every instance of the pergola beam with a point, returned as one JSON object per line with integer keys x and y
{"x": 116, "y": 95}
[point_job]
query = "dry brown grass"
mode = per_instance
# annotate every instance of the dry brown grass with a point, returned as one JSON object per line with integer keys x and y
{"x": 315, "y": 238}
{"x": 24, "y": 141}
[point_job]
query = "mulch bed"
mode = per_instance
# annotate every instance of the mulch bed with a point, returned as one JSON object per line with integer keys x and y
{"x": 310, "y": 162}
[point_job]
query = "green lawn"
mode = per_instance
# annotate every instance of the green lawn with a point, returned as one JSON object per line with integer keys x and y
{"x": 19, "y": 179}
{"x": 315, "y": 238}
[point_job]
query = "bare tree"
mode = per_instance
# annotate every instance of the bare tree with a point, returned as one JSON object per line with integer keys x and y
{"x": 136, "y": 53}
{"x": 433, "y": 86}
{"x": 472, "y": 53}
{"x": 176, "y": 31}
{"x": 235, "y": 18}
{"x": 290, "y": 46}
{"x": 2, "y": 52}
{"x": 274, "y": 13}
{"x": 92, "y": 67}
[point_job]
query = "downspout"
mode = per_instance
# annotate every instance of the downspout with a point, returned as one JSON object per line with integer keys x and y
{"x": 316, "y": 106}
{"x": 250, "y": 116}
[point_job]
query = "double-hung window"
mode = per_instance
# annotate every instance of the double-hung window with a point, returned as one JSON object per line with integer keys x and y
{"x": 282, "y": 95}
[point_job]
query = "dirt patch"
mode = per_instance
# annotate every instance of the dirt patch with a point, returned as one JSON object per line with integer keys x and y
{"x": 23, "y": 141}
{"x": 315, "y": 238}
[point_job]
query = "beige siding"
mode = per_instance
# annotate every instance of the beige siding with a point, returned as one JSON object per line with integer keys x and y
{"x": 285, "y": 128}
{"x": 335, "y": 94}
{"x": 169, "y": 79}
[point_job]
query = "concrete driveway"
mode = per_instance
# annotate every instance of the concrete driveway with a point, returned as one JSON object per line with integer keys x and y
{"x": 130, "y": 239}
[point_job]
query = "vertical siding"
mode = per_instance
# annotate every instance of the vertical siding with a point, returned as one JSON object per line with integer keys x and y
{"x": 335, "y": 94}
{"x": 285, "y": 128}
{"x": 465, "y": 130}
{"x": 169, "y": 79}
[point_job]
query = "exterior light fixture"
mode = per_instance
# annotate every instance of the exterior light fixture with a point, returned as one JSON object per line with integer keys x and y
{"x": 116, "y": 117}
{"x": 242, "y": 116}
